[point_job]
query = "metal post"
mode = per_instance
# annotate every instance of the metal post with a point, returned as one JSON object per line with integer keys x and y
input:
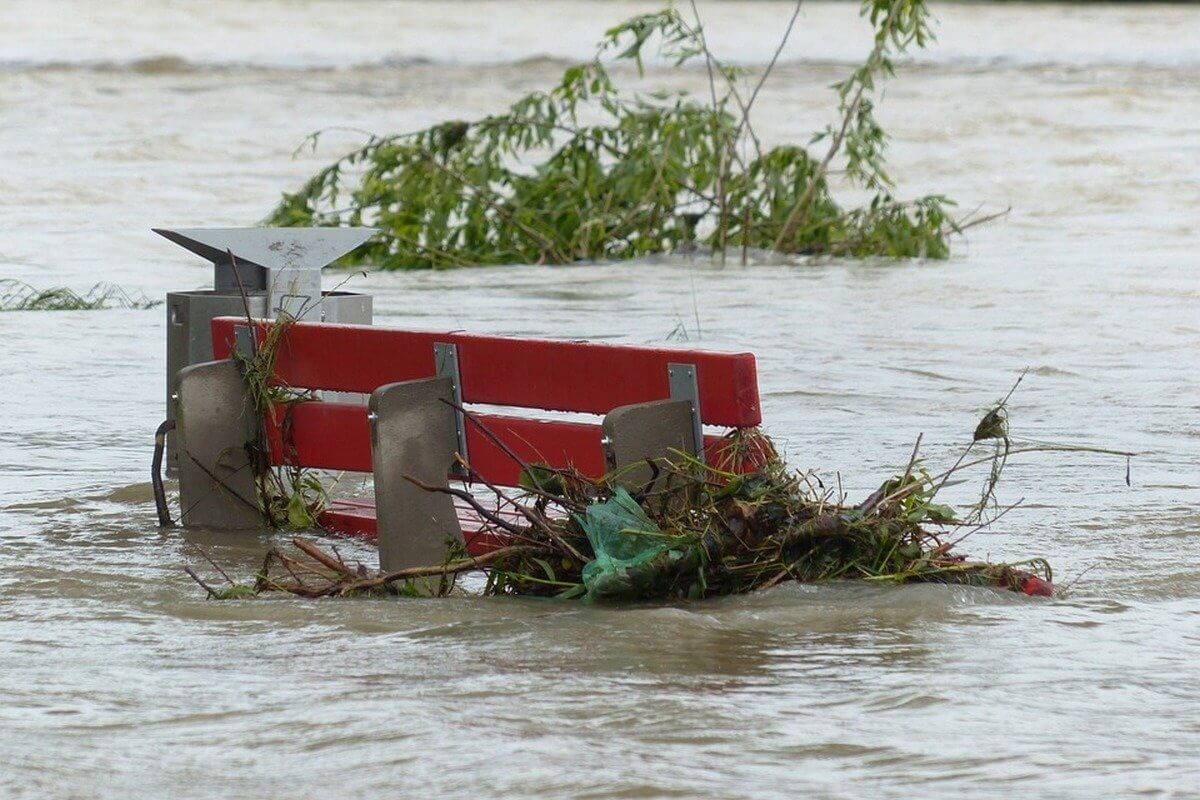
{"x": 682, "y": 380}
{"x": 445, "y": 359}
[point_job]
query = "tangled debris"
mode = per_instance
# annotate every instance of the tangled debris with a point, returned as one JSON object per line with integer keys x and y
{"x": 692, "y": 530}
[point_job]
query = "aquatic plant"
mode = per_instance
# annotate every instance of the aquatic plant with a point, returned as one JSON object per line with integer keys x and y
{"x": 20, "y": 296}
{"x": 591, "y": 170}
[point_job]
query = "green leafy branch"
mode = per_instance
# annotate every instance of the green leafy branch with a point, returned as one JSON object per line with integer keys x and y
{"x": 587, "y": 170}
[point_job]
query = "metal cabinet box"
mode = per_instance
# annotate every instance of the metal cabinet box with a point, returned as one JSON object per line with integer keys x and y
{"x": 189, "y": 329}
{"x": 261, "y": 273}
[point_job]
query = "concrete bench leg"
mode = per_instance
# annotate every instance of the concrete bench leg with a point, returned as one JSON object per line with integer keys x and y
{"x": 214, "y": 422}
{"x": 644, "y": 431}
{"x": 413, "y": 434}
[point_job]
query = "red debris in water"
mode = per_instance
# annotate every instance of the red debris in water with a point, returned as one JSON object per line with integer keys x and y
{"x": 1036, "y": 587}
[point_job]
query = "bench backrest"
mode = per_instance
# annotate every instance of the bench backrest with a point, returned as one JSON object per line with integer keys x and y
{"x": 493, "y": 370}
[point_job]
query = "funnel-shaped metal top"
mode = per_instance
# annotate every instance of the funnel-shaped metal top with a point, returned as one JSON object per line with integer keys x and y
{"x": 270, "y": 248}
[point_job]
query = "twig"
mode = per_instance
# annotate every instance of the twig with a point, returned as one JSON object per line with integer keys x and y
{"x": 520, "y": 462}
{"x": 317, "y": 554}
{"x": 873, "y": 499}
{"x": 986, "y": 524}
{"x": 787, "y": 34}
{"x": 906, "y": 490}
{"x": 469, "y": 499}
{"x": 795, "y": 215}
{"x": 451, "y": 568}
{"x": 214, "y": 564}
{"x": 537, "y": 519}
{"x": 203, "y": 585}
{"x": 1060, "y": 590}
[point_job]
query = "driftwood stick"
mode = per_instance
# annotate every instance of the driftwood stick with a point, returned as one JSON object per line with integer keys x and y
{"x": 309, "y": 568}
{"x": 320, "y": 556}
{"x": 492, "y": 437}
{"x": 451, "y": 568}
{"x": 263, "y": 579}
{"x": 286, "y": 563}
{"x": 542, "y": 522}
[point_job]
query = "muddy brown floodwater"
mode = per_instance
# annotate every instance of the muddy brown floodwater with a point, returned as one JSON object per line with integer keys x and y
{"x": 117, "y": 679}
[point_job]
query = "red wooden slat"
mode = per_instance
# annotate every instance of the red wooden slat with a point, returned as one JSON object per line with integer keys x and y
{"x": 332, "y": 436}
{"x": 527, "y": 373}
{"x": 350, "y": 520}
{"x": 336, "y": 436}
{"x": 356, "y": 518}
{"x": 559, "y": 444}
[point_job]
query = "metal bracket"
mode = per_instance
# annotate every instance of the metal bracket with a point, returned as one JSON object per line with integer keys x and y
{"x": 682, "y": 380}
{"x": 244, "y": 340}
{"x": 641, "y": 434}
{"x": 216, "y": 476}
{"x": 413, "y": 436}
{"x": 445, "y": 359}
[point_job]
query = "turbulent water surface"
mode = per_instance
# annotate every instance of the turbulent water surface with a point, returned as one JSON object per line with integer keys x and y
{"x": 118, "y": 679}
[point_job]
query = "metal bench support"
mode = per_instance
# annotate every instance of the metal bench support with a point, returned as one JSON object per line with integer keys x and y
{"x": 646, "y": 431}
{"x": 445, "y": 359}
{"x": 215, "y": 420}
{"x": 684, "y": 386}
{"x": 413, "y": 434}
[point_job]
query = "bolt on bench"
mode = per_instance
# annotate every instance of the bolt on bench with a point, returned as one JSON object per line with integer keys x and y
{"x": 651, "y": 399}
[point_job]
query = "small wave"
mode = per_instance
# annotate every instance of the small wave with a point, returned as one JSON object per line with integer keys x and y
{"x": 131, "y": 494}
{"x": 924, "y": 373}
{"x": 160, "y": 65}
{"x": 1047, "y": 371}
{"x": 56, "y": 504}
{"x": 171, "y": 64}
{"x": 179, "y": 65}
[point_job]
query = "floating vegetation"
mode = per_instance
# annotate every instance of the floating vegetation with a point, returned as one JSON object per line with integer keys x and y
{"x": 591, "y": 170}
{"x": 20, "y": 296}
{"x": 694, "y": 529}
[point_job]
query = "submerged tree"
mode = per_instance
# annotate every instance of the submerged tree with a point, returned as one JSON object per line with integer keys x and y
{"x": 586, "y": 170}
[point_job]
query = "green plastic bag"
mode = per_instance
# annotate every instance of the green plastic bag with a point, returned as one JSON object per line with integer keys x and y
{"x": 622, "y": 536}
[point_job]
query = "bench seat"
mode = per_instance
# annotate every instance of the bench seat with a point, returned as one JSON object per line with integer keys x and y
{"x": 433, "y": 397}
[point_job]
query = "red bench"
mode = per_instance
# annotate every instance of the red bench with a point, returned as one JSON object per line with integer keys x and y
{"x": 641, "y": 391}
